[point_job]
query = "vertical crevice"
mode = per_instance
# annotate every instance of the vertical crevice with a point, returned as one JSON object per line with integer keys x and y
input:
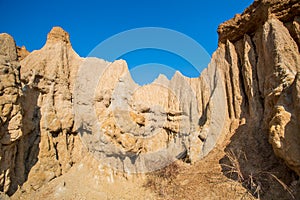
{"x": 231, "y": 76}
{"x": 228, "y": 97}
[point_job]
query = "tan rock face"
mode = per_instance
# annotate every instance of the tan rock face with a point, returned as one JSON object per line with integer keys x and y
{"x": 48, "y": 77}
{"x": 138, "y": 129}
{"x": 58, "y": 35}
{"x": 267, "y": 44}
{"x": 253, "y": 79}
{"x": 10, "y": 115}
{"x": 22, "y": 52}
{"x": 256, "y": 15}
{"x": 38, "y": 142}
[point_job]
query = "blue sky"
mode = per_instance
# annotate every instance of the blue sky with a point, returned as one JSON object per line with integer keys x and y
{"x": 91, "y": 22}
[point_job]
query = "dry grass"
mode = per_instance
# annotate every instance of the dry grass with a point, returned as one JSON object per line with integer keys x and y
{"x": 158, "y": 180}
{"x": 194, "y": 181}
{"x": 234, "y": 167}
{"x": 244, "y": 179}
{"x": 287, "y": 188}
{"x": 253, "y": 181}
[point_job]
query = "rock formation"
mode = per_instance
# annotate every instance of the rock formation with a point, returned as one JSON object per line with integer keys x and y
{"x": 57, "y": 108}
{"x": 22, "y": 52}
{"x": 11, "y": 119}
{"x": 48, "y": 77}
{"x": 142, "y": 129}
{"x": 37, "y": 136}
{"x": 265, "y": 43}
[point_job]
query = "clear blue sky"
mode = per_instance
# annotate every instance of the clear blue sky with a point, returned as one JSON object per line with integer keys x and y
{"x": 90, "y": 22}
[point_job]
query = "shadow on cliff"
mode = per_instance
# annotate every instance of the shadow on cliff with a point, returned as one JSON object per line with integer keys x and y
{"x": 28, "y": 145}
{"x": 250, "y": 160}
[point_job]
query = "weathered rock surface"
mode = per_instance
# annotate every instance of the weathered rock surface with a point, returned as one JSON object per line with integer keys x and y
{"x": 10, "y": 115}
{"x": 38, "y": 142}
{"x": 253, "y": 80}
{"x": 48, "y": 77}
{"x": 255, "y": 16}
{"x": 246, "y": 82}
{"x": 266, "y": 39}
{"x": 144, "y": 128}
{"x": 22, "y": 52}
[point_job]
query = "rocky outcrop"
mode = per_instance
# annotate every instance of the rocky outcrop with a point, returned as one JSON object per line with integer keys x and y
{"x": 38, "y": 142}
{"x": 263, "y": 44}
{"x": 48, "y": 77}
{"x": 143, "y": 128}
{"x": 255, "y": 16}
{"x": 59, "y": 107}
{"x": 22, "y": 52}
{"x": 10, "y": 116}
{"x": 248, "y": 82}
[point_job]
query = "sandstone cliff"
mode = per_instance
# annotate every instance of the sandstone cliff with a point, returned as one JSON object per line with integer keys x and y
{"x": 11, "y": 120}
{"x": 48, "y": 77}
{"x": 263, "y": 45}
{"x": 38, "y": 140}
{"x": 62, "y": 115}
